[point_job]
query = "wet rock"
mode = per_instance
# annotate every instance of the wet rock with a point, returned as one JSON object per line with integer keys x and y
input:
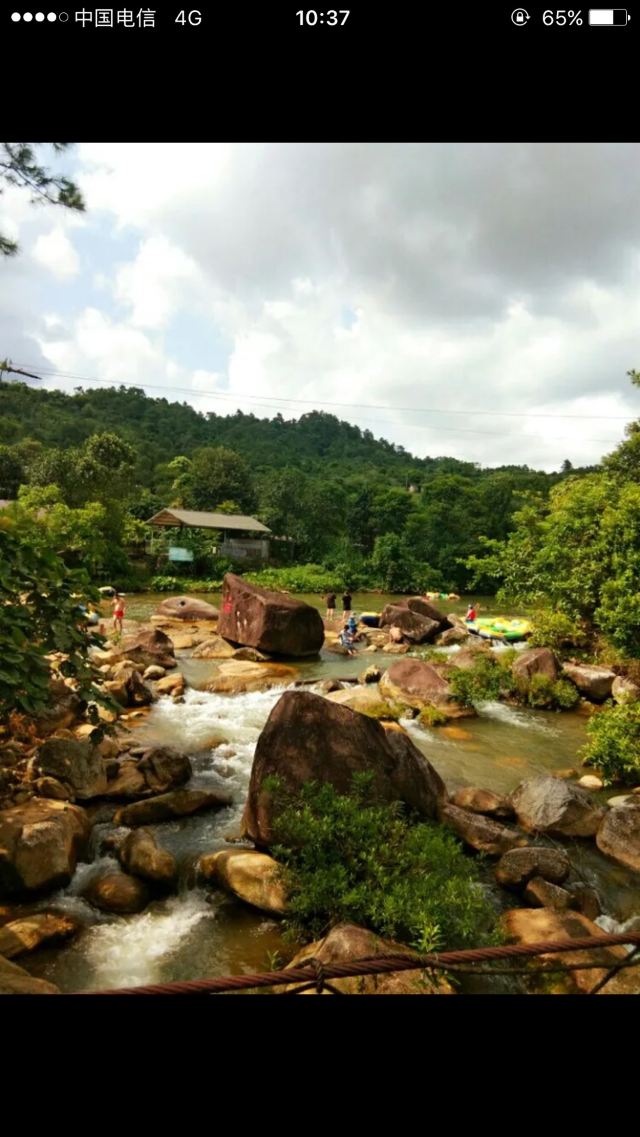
{"x": 536, "y": 661}
{"x": 515, "y": 868}
{"x": 540, "y": 925}
{"x": 396, "y": 648}
{"x": 249, "y": 875}
{"x": 15, "y": 980}
{"x": 141, "y": 856}
{"x": 29, "y": 932}
{"x": 619, "y": 836}
{"x": 117, "y": 892}
{"x": 346, "y": 943}
{"x": 171, "y": 684}
{"x": 452, "y": 636}
{"x": 480, "y": 832}
{"x": 620, "y": 800}
{"x": 214, "y": 648}
{"x": 550, "y": 805}
{"x": 180, "y": 803}
{"x": 371, "y": 674}
{"x": 326, "y": 686}
{"x": 144, "y": 647}
{"x": 128, "y": 688}
{"x": 250, "y": 655}
{"x": 412, "y": 625}
{"x": 235, "y": 676}
{"x": 307, "y": 737}
{"x": 625, "y": 690}
{"x": 51, "y": 787}
{"x": 366, "y": 700}
{"x": 186, "y": 608}
{"x": 590, "y": 782}
{"x": 586, "y": 900}
{"x": 541, "y": 893}
{"x": 593, "y": 682}
{"x": 419, "y": 685}
{"x": 154, "y": 672}
{"x": 164, "y": 768}
{"x": 76, "y": 763}
{"x": 40, "y": 843}
{"x": 129, "y": 781}
{"x": 482, "y": 801}
{"x": 270, "y": 621}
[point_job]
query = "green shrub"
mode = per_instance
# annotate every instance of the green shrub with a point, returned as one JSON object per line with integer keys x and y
{"x": 614, "y": 744}
{"x": 432, "y": 716}
{"x": 542, "y": 692}
{"x": 350, "y": 858}
{"x": 489, "y": 679}
{"x": 558, "y": 632}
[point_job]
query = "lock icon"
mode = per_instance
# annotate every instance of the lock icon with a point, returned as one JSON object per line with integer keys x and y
{"x": 519, "y": 17}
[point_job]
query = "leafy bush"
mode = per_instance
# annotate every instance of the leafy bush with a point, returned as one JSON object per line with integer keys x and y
{"x": 542, "y": 692}
{"x": 486, "y": 681}
{"x": 39, "y": 613}
{"x": 349, "y": 858}
{"x": 614, "y": 744}
{"x": 558, "y": 632}
{"x": 432, "y": 716}
{"x": 176, "y": 584}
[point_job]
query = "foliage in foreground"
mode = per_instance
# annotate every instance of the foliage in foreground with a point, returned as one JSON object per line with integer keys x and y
{"x": 349, "y": 858}
{"x": 39, "y": 598}
{"x": 613, "y": 745}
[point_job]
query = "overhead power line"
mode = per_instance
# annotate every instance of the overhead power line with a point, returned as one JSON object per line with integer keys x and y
{"x": 235, "y": 398}
{"x": 328, "y": 403}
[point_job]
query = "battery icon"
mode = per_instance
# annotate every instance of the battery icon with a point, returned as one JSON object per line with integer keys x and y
{"x": 608, "y": 17}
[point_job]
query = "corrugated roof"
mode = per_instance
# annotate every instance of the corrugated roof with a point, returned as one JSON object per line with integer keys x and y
{"x": 201, "y": 520}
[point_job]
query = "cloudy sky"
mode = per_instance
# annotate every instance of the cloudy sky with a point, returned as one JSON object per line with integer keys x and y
{"x": 481, "y": 301}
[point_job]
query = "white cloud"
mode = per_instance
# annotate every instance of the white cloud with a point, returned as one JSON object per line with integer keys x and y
{"x": 55, "y": 251}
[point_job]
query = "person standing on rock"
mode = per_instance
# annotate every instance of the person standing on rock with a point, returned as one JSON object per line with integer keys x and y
{"x": 331, "y": 606}
{"x": 346, "y": 604}
{"x": 118, "y": 612}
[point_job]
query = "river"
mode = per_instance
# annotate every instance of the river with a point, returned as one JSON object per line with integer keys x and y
{"x": 199, "y": 933}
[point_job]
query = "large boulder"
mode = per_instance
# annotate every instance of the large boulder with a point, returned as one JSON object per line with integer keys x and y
{"x": 307, "y": 738}
{"x": 552, "y": 805}
{"x": 180, "y": 803}
{"x": 235, "y": 676}
{"x": 518, "y": 866}
{"x": 117, "y": 892}
{"x": 481, "y": 801}
{"x": 247, "y": 874}
{"x": 40, "y": 843}
{"x": 414, "y": 626}
{"x": 74, "y": 762}
{"x": 214, "y": 647}
{"x": 140, "y": 855}
{"x": 619, "y": 835}
{"x": 536, "y": 661}
{"x": 367, "y": 700}
{"x": 452, "y": 636}
{"x": 164, "y": 768}
{"x": 594, "y": 683}
{"x": 418, "y": 684}
{"x": 347, "y": 943}
{"x": 481, "y": 833}
{"x": 425, "y": 608}
{"x": 145, "y": 647}
{"x": 186, "y": 608}
{"x": 270, "y": 621}
{"x": 15, "y": 980}
{"x": 624, "y": 690}
{"x": 127, "y": 686}
{"x": 30, "y": 932}
{"x": 542, "y": 925}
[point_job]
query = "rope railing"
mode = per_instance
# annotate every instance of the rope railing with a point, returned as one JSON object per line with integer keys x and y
{"x": 312, "y": 973}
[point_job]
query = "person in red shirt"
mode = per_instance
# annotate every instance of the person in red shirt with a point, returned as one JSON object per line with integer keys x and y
{"x": 471, "y": 614}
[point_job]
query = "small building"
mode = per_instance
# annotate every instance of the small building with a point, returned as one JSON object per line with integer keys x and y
{"x": 243, "y": 538}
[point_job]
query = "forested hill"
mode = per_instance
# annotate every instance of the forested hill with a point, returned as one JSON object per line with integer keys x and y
{"x": 161, "y": 430}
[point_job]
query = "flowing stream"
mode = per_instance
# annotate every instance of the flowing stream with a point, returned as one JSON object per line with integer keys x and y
{"x": 202, "y": 933}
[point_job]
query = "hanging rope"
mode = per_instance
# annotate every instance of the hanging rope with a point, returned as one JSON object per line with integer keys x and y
{"x": 314, "y": 974}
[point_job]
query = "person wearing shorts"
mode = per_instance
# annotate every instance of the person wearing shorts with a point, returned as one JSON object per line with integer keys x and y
{"x": 118, "y": 613}
{"x": 331, "y": 606}
{"x": 346, "y": 605}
